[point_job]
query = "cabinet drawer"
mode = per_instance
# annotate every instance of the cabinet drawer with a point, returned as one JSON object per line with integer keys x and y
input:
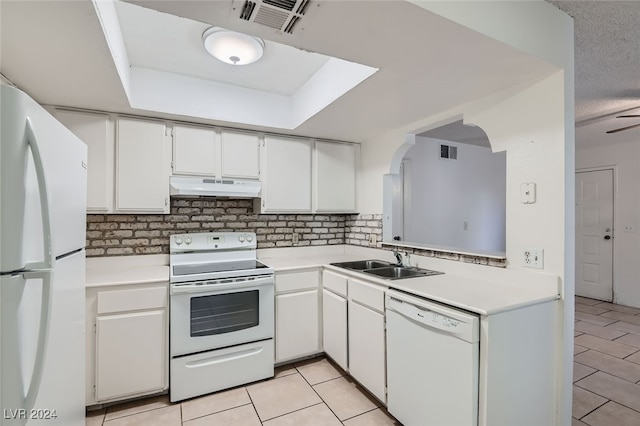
{"x": 335, "y": 282}
{"x": 132, "y": 300}
{"x": 293, "y": 281}
{"x": 366, "y": 294}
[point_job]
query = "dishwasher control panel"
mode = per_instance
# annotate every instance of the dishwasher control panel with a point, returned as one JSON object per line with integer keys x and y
{"x": 463, "y": 325}
{"x": 445, "y": 321}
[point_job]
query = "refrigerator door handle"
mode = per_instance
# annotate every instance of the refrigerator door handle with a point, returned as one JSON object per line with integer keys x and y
{"x": 43, "y": 336}
{"x": 47, "y": 225}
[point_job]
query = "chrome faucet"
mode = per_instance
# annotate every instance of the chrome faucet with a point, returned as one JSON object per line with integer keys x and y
{"x": 398, "y": 256}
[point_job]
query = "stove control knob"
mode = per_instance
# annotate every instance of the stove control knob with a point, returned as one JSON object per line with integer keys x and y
{"x": 241, "y": 238}
{"x": 249, "y": 238}
{"x": 179, "y": 240}
{"x": 187, "y": 240}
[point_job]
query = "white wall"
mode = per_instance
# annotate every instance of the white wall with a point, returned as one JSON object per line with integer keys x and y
{"x": 624, "y": 158}
{"x": 446, "y": 193}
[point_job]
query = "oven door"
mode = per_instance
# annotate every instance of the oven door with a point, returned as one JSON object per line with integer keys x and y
{"x": 216, "y": 314}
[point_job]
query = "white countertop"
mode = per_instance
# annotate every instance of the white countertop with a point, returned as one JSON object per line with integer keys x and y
{"x": 482, "y": 289}
{"x": 476, "y": 288}
{"x": 122, "y": 270}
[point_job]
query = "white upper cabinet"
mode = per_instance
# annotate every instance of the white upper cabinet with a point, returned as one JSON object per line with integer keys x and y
{"x": 207, "y": 152}
{"x": 195, "y": 151}
{"x": 240, "y": 155}
{"x": 336, "y": 177}
{"x": 142, "y": 166}
{"x": 286, "y": 176}
{"x": 95, "y": 130}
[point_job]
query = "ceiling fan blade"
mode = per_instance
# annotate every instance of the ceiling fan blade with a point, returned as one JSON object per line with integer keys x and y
{"x": 628, "y": 116}
{"x": 623, "y": 128}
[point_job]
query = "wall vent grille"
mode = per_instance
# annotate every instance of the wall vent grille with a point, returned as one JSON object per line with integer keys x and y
{"x": 448, "y": 151}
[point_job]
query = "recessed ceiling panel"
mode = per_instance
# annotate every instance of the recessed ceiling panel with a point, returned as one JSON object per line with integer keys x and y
{"x": 168, "y": 43}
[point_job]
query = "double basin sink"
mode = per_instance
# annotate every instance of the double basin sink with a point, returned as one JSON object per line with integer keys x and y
{"x": 386, "y": 270}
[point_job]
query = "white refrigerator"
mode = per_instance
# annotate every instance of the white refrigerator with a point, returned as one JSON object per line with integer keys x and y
{"x": 43, "y": 175}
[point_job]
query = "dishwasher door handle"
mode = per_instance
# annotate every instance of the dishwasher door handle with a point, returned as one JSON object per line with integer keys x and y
{"x": 410, "y": 311}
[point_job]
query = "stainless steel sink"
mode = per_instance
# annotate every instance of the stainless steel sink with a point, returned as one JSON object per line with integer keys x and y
{"x": 360, "y": 265}
{"x": 386, "y": 270}
{"x": 399, "y": 272}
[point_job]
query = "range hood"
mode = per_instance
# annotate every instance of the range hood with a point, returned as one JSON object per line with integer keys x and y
{"x": 210, "y": 187}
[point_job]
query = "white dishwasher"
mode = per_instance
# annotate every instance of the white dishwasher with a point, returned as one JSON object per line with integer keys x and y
{"x": 432, "y": 362}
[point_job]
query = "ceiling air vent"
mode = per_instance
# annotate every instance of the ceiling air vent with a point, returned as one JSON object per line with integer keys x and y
{"x": 281, "y": 15}
{"x": 247, "y": 10}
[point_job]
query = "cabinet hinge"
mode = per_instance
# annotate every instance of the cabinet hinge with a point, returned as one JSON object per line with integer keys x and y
{"x": 95, "y": 328}
{"x": 166, "y": 201}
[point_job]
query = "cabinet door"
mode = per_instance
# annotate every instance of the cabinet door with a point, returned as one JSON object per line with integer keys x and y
{"x": 297, "y": 325}
{"x": 96, "y": 130}
{"x": 334, "y": 327}
{"x": 142, "y": 167}
{"x": 367, "y": 349}
{"x": 130, "y": 354}
{"x": 336, "y": 177}
{"x": 240, "y": 155}
{"x": 195, "y": 151}
{"x": 287, "y": 175}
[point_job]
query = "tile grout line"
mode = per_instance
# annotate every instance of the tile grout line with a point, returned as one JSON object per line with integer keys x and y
{"x": 601, "y": 405}
{"x": 217, "y": 412}
{"x": 596, "y": 370}
{"x": 316, "y": 392}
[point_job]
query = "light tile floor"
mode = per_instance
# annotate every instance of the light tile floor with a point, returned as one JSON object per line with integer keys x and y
{"x": 606, "y": 368}
{"x": 606, "y": 388}
{"x": 310, "y": 393}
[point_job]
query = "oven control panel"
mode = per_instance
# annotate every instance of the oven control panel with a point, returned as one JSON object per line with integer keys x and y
{"x": 207, "y": 241}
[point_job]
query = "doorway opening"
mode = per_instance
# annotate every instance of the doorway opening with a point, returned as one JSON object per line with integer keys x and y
{"x": 450, "y": 192}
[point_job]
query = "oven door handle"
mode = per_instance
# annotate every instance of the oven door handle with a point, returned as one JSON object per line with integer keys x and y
{"x": 218, "y": 287}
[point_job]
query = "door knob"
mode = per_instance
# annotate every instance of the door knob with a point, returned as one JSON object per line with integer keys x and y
{"x": 607, "y": 237}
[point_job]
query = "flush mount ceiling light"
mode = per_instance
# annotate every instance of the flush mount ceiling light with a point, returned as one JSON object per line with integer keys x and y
{"x": 232, "y": 47}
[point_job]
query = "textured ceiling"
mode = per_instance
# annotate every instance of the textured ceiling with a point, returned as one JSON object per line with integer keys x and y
{"x": 607, "y": 56}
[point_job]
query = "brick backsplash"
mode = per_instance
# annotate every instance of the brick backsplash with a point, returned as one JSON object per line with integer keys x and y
{"x": 359, "y": 228}
{"x": 130, "y": 234}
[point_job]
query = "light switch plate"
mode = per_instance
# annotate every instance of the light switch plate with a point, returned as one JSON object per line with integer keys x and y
{"x": 528, "y": 192}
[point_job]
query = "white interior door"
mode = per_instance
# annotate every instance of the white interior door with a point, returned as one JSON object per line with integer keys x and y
{"x": 594, "y": 234}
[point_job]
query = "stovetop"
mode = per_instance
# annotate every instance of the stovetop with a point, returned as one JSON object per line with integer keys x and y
{"x": 214, "y": 255}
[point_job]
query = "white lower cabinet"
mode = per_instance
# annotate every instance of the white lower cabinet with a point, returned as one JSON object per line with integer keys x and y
{"x": 334, "y": 327}
{"x": 367, "y": 348}
{"x": 297, "y": 315}
{"x": 129, "y": 354}
{"x": 127, "y": 342}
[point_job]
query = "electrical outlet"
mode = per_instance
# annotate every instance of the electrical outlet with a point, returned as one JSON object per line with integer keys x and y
{"x": 295, "y": 238}
{"x": 533, "y": 258}
{"x": 373, "y": 239}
